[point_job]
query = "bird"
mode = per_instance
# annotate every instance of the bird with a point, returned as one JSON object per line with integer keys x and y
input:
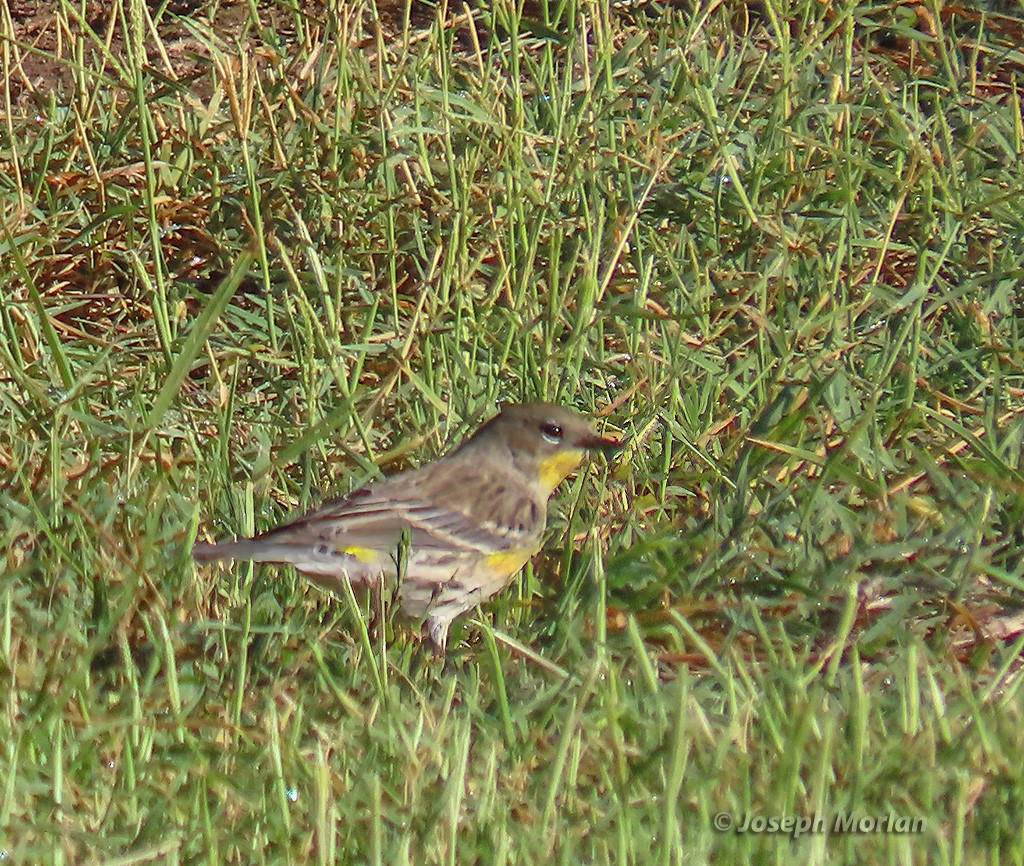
{"x": 467, "y": 523}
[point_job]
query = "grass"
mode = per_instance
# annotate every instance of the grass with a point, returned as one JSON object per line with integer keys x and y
{"x": 255, "y": 262}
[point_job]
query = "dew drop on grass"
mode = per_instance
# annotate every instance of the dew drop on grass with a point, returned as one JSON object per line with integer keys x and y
{"x": 292, "y": 795}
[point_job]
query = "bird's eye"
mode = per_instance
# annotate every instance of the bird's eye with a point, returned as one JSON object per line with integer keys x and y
{"x": 552, "y": 433}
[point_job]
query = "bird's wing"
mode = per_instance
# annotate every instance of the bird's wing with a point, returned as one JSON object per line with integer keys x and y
{"x": 458, "y": 515}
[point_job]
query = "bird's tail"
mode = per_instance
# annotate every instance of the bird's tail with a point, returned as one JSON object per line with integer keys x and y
{"x": 319, "y": 564}
{"x": 249, "y": 549}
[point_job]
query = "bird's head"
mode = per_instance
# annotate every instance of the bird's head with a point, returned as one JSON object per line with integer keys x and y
{"x": 546, "y": 440}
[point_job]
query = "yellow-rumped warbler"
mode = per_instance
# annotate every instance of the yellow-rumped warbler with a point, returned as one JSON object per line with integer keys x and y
{"x": 472, "y": 519}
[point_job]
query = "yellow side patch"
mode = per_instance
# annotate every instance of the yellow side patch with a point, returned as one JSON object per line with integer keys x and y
{"x": 363, "y": 554}
{"x": 508, "y": 562}
{"x": 553, "y": 469}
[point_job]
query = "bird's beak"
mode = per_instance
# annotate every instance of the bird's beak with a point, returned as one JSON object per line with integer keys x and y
{"x": 607, "y": 446}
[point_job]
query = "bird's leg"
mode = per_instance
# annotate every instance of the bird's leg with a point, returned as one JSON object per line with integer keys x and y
{"x": 376, "y": 608}
{"x": 437, "y": 632}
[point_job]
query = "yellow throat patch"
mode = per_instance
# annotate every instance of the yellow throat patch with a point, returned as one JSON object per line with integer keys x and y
{"x": 553, "y": 469}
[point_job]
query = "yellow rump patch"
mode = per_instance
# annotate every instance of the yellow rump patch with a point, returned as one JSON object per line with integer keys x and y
{"x": 363, "y": 554}
{"x": 553, "y": 469}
